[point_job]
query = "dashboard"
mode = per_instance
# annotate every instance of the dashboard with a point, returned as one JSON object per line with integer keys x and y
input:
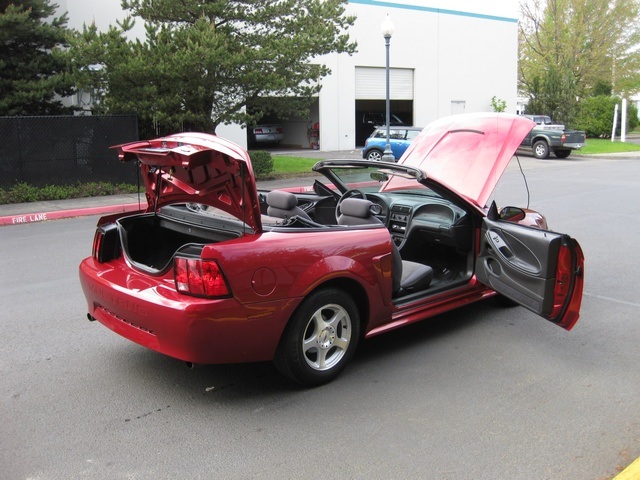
{"x": 433, "y": 219}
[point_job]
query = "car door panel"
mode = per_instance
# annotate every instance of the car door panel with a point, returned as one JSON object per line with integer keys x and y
{"x": 397, "y": 147}
{"x": 539, "y": 269}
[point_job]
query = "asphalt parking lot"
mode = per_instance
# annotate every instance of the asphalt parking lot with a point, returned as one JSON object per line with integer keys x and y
{"x": 481, "y": 393}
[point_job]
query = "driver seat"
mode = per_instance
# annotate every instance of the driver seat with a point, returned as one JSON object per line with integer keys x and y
{"x": 408, "y": 277}
{"x": 283, "y": 204}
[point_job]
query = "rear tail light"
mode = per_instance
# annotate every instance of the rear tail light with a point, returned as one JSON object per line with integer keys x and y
{"x": 106, "y": 243}
{"x": 563, "y": 138}
{"x": 278, "y": 130}
{"x": 257, "y": 130}
{"x": 201, "y": 278}
{"x": 97, "y": 243}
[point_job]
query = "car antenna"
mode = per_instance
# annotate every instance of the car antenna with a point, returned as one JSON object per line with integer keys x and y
{"x": 525, "y": 181}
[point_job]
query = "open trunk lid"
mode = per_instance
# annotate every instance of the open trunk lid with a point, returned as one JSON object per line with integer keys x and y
{"x": 197, "y": 168}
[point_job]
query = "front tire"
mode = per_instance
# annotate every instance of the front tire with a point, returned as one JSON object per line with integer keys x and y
{"x": 541, "y": 149}
{"x": 374, "y": 155}
{"x": 320, "y": 339}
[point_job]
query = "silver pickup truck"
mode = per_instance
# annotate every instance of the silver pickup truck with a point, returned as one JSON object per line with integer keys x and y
{"x": 547, "y": 137}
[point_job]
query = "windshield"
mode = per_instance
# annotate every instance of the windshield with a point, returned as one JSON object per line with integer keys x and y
{"x": 370, "y": 179}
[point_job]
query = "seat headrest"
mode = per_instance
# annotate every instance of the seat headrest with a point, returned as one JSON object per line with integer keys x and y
{"x": 356, "y": 207}
{"x": 281, "y": 199}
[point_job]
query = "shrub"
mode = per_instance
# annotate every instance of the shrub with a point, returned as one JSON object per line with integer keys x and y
{"x": 596, "y": 116}
{"x": 498, "y": 105}
{"x": 632, "y": 117}
{"x": 262, "y": 162}
{"x": 23, "y": 192}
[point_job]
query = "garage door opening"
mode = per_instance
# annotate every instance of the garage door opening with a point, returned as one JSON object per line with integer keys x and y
{"x": 371, "y": 94}
{"x": 372, "y": 113}
{"x": 280, "y": 127}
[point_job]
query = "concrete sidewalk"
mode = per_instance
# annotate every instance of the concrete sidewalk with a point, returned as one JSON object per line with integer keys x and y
{"x": 21, "y": 213}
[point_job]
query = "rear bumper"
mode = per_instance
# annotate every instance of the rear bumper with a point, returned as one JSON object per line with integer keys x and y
{"x": 149, "y": 312}
{"x": 268, "y": 137}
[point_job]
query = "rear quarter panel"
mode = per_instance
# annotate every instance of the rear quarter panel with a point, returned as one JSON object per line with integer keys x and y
{"x": 290, "y": 264}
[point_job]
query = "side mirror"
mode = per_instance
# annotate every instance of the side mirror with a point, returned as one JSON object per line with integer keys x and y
{"x": 512, "y": 214}
{"x": 379, "y": 176}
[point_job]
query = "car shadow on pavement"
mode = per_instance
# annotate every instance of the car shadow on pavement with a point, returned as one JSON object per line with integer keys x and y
{"x": 423, "y": 335}
{"x": 143, "y": 368}
{"x": 154, "y": 370}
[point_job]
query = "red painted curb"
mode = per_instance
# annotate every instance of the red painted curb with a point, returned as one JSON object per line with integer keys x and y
{"x": 77, "y": 212}
{"x": 81, "y": 212}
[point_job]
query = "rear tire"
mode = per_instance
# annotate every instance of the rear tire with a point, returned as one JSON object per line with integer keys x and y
{"x": 562, "y": 152}
{"x": 320, "y": 339}
{"x": 541, "y": 149}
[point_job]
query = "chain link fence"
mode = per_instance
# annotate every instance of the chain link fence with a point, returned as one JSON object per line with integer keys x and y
{"x": 65, "y": 150}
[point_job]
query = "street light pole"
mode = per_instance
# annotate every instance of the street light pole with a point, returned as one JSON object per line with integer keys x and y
{"x": 387, "y": 30}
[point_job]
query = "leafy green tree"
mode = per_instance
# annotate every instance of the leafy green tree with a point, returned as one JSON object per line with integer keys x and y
{"x": 34, "y": 71}
{"x": 554, "y": 95}
{"x": 602, "y": 88}
{"x": 587, "y": 42}
{"x": 204, "y": 63}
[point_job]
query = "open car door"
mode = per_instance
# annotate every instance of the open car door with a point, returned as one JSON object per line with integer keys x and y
{"x": 539, "y": 269}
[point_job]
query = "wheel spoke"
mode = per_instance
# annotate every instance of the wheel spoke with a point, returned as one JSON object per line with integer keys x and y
{"x": 341, "y": 343}
{"x": 309, "y": 344}
{"x": 312, "y": 341}
{"x": 317, "y": 323}
{"x": 337, "y": 317}
{"x": 321, "y": 361}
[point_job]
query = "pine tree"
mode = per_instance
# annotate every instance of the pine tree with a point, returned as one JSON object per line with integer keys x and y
{"x": 34, "y": 71}
{"x": 204, "y": 63}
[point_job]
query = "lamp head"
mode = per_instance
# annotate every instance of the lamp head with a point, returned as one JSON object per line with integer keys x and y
{"x": 387, "y": 27}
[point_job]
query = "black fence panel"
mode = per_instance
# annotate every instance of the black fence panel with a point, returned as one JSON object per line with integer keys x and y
{"x": 65, "y": 150}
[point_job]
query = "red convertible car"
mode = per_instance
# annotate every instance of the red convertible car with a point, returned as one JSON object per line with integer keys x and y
{"x": 215, "y": 271}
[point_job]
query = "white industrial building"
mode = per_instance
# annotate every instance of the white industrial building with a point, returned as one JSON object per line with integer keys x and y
{"x": 446, "y": 57}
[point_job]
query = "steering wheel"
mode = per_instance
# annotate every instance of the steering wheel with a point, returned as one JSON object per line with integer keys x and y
{"x": 352, "y": 192}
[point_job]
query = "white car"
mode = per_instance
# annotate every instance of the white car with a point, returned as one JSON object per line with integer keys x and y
{"x": 266, "y": 134}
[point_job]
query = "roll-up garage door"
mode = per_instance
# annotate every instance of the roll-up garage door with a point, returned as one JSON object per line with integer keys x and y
{"x": 371, "y": 83}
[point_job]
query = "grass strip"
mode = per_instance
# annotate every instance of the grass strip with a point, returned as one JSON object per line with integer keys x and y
{"x": 596, "y": 146}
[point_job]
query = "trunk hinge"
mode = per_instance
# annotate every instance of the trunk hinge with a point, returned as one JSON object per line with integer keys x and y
{"x": 158, "y": 188}
{"x": 172, "y": 170}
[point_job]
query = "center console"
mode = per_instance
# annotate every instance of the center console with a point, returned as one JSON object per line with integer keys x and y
{"x": 398, "y": 221}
